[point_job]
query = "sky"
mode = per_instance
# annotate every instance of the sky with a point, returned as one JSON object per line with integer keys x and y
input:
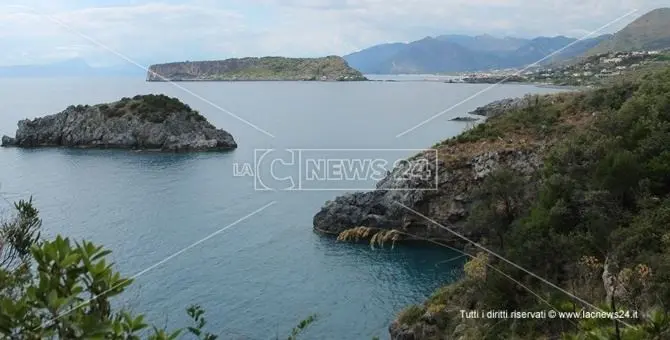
{"x": 112, "y": 32}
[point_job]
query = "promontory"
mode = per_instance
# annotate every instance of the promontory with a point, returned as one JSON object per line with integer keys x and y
{"x": 144, "y": 122}
{"x": 332, "y": 68}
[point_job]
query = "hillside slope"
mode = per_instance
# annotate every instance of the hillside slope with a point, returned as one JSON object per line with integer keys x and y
{"x": 368, "y": 60}
{"x": 331, "y": 68}
{"x": 649, "y": 32}
{"x": 431, "y": 55}
{"x": 572, "y": 187}
{"x": 485, "y": 42}
{"x": 458, "y": 53}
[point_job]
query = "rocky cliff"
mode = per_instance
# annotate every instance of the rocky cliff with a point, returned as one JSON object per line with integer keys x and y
{"x": 517, "y": 136}
{"x": 462, "y": 163}
{"x": 150, "y": 122}
{"x": 260, "y": 69}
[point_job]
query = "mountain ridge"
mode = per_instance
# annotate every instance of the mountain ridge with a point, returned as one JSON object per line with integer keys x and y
{"x": 648, "y": 32}
{"x": 452, "y": 53}
{"x": 462, "y": 53}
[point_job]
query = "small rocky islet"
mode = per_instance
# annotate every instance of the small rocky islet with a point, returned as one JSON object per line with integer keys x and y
{"x": 144, "y": 122}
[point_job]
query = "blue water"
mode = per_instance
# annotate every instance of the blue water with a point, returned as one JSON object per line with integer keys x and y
{"x": 258, "y": 278}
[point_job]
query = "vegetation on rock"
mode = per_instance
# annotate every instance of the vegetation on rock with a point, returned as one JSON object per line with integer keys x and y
{"x": 247, "y": 69}
{"x": 155, "y": 122}
{"x": 593, "y": 220}
{"x": 153, "y": 108}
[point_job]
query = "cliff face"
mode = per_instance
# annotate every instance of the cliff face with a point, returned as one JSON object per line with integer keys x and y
{"x": 386, "y": 208}
{"x": 517, "y": 136}
{"x": 461, "y": 166}
{"x": 249, "y": 69}
{"x": 143, "y": 122}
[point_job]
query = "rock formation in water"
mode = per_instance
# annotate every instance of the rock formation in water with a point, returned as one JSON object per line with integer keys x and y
{"x": 499, "y": 107}
{"x": 331, "y": 68}
{"x": 149, "y": 122}
{"x": 464, "y": 119}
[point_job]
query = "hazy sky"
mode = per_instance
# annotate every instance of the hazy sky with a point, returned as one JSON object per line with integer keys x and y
{"x": 156, "y": 31}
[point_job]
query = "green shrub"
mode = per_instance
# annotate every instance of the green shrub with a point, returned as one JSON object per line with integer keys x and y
{"x": 411, "y": 315}
{"x": 62, "y": 290}
{"x": 603, "y": 194}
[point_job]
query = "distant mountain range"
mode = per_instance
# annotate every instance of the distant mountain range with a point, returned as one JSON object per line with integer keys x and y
{"x": 462, "y": 53}
{"x": 69, "y": 68}
{"x": 441, "y": 54}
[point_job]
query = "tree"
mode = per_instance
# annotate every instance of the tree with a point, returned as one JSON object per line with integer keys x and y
{"x": 67, "y": 295}
{"x": 19, "y": 234}
{"x": 501, "y": 200}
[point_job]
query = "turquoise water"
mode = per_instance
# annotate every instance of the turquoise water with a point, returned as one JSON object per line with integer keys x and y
{"x": 258, "y": 278}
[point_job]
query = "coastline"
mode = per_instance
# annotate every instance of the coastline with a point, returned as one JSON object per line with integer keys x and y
{"x": 397, "y": 78}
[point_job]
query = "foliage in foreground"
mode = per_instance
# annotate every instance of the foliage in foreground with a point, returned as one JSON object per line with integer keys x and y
{"x": 596, "y": 223}
{"x": 63, "y": 290}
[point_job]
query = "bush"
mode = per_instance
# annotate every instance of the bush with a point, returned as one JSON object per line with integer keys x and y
{"x": 411, "y": 315}
{"x": 603, "y": 195}
{"x": 157, "y": 108}
{"x": 67, "y": 293}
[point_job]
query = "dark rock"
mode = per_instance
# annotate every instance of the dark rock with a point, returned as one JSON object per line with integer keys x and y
{"x": 422, "y": 330}
{"x": 8, "y": 141}
{"x": 499, "y": 107}
{"x": 464, "y": 119}
{"x": 448, "y": 204}
{"x": 179, "y": 129}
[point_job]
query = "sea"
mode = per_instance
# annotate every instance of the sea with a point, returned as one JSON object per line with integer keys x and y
{"x": 232, "y": 232}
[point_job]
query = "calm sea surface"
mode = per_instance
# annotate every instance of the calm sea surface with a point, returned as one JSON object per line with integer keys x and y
{"x": 258, "y": 278}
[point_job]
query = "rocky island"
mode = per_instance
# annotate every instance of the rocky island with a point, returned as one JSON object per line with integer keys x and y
{"x": 330, "y": 68}
{"x": 144, "y": 122}
{"x": 571, "y": 187}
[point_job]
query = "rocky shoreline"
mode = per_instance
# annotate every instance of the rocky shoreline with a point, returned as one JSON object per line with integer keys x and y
{"x": 150, "y": 122}
{"x": 451, "y": 202}
{"x": 499, "y": 107}
{"x": 393, "y": 212}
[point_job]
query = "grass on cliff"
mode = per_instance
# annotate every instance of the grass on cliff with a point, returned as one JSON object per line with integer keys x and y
{"x": 411, "y": 315}
{"x": 601, "y": 205}
{"x": 153, "y": 108}
{"x": 376, "y": 237}
{"x": 542, "y": 121}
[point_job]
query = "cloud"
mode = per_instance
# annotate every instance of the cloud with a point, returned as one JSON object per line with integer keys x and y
{"x": 139, "y": 32}
{"x": 208, "y": 29}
